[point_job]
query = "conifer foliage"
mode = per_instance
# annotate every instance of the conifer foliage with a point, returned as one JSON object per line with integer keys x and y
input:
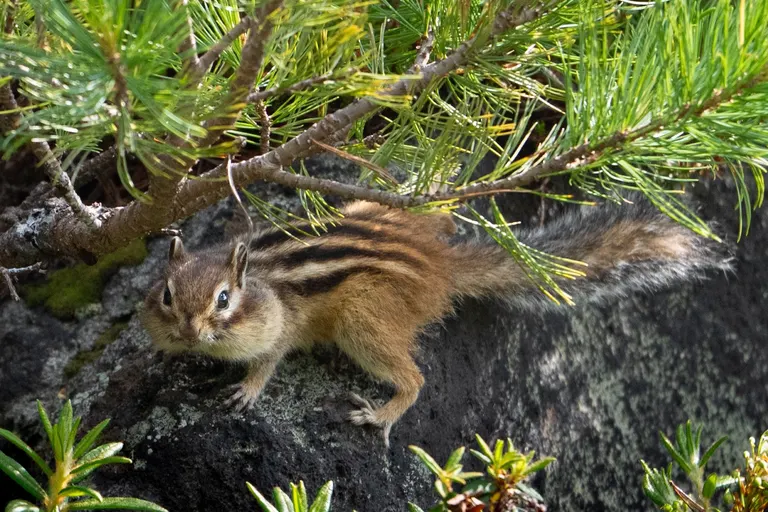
{"x": 187, "y": 100}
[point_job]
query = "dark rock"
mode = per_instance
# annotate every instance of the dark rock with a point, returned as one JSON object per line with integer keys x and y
{"x": 591, "y": 387}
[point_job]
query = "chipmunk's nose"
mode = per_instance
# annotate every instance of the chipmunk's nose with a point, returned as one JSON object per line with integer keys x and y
{"x": 190, "y": 330}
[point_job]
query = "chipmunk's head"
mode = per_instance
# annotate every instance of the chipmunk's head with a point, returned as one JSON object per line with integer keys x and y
{"x": 204, "y": 303}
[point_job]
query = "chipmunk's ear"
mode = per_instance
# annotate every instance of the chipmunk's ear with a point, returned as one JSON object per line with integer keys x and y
{"x": 176, "y": 251}
{"x": 239, "y": 262}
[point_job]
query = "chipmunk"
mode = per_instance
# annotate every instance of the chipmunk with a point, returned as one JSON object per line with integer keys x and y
{"x": 380, "y": 275}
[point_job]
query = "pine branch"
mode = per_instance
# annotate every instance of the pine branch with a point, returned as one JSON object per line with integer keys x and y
{"x": 424, "y": 52}
{"x": 299, "y": 146}
{"x": 164, "y": 188}
{"x": 95, "y": 166}
{"x": 251, "y": 60}
{"x": 189, "y": 44}
{"x": 12, "y": 120}
{"x": 62, "y": 183}
{"x": 10, "y": 17}
{"x": 266, "y": 125}
{"x": 298, "y": 86}
{"x": 59, "y": 179}
{"x": 8, "y": 274}
{"x": 214, "y": 52}
{"x": 574, "y": 159}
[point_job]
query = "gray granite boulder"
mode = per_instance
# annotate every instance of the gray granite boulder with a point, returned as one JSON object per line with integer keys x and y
{"x": 591, "y": 386}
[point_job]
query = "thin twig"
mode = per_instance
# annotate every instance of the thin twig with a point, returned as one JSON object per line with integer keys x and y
{"x": 237, "y": 198}
{"x": 8, "y": 272}
{"x": 425, "y": 50}
{"x": 60, "y": 180}
{"x": 189, "y": 45}
{"x": 266, "y": 126}
{"x": 9, "y": 18}
{"x": 380, "y": 171}
{"x": 104, "y": 161}
{"x": 299, "y": 86}
{"x": 215, "y": 51}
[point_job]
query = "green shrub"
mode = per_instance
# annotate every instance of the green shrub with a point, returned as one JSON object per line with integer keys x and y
{"x": 73, "y": 464}
{"x": 747, "y": 493}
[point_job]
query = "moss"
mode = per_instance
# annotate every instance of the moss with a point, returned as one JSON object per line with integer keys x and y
{"x": 69, "y": 289}
{"x": 89, "y": 356}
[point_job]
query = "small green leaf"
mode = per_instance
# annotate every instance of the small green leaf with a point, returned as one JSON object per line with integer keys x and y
{"x": 21, "y": 506}
{"x": 100, "y": 452}
{"x": 20, "y": 475}
{"x": 479, "y": 486}
{"x": 530, "y": 491}
{"x": 61, "y": 441}
{"x": 414, "y": 508}
{"x": 711, "y": 451}
{"x": 498, "y": 450}
{"x": 726, "y": 481}
{"x": 65, "y": 420}
{"x": 75, "y": 491}
{"x": 263, "y": 503}
{"x": 510, "y": 458}
{"x": 484, "y": 447}
{"x": 710, "y": 485}
{"x": 427, "y": 459}
{"x": 46, "y": 424}
{"x": 454, "y": 459}
{"x": 468, "y": 475}
{"x": 90, "y": 466}
{"x": 539, "y": 465}
{"x": 73, "y": 433}
{"x": 323, "y": 499}
{"x": 480, "y": 456}
{"x": 88, "y": 439}
{"x": 282, "y": 500}
{"x": 299, "y": 495}
{"x": 13, "y": 438}
{"x": 116, "y": 504}
{"x": 677, "y": 456}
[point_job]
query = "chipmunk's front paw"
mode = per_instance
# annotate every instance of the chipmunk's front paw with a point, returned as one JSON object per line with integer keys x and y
{"x": 243, "y": 397}
{"x": 367, "y": 414}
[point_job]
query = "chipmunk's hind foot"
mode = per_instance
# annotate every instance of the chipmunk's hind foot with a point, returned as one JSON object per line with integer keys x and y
{"x": 367, "y": 415}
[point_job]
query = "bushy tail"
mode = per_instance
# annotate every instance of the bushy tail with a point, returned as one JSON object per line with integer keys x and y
{"x": 626, "y": 247}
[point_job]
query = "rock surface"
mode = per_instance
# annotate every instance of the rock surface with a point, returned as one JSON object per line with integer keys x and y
{"x": 591, "y": 387}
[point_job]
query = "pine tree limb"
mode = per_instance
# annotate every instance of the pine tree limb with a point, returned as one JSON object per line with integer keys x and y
{"x": 95, "y": 166}
{"x": 10, "y": 121}
{"x": 165, "y": 187}
{"x": 60, "y": 180}
{"x": 301, "y": 145}
{"x": 10, "y": 17}
{"x": 214, "y": 52}
{"x": 299, "y": 86}
{"x": 189, "y": 45}
{"x": 425, "y": 50}
{"x": 266, "y": 126}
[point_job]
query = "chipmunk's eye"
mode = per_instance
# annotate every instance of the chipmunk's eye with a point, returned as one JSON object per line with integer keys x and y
{"x": 167, "y": 296}
{"x": 223, "y": 301}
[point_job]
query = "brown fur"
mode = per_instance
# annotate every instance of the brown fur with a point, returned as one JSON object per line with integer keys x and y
{"x": 369, "y": 285}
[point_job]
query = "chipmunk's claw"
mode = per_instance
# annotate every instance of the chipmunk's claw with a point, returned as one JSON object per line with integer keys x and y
{"x": 240, "y": 399}
{"x": 366, "y": 415}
